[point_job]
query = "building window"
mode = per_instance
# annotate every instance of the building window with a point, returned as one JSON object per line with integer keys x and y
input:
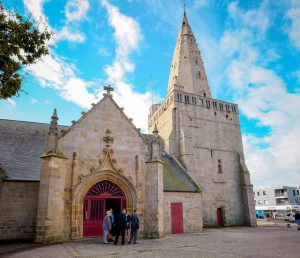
{"x": 258, "y": 194}
{"x": 194, "y": 101}
{"x": 180, "y": 97}
{"x": 266, "y": 202}
{"x": 220, "y": 170}
{"x": 264, "y": 193}
{"x": 208, "y": 103}
{"x": 294, "y": 192}
{"x": 187, "y": 99}
{"x": 298, "y": 192}
{"x": 199, "y": 74}
{"x": 221, "y": 106}
{"x": 260, "y": 202}
{"x": 215, "y": 105}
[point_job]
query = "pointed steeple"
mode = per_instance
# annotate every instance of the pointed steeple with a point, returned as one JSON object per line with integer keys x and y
{"x": 187, "y": 72}
{"x": 52, "y": 134}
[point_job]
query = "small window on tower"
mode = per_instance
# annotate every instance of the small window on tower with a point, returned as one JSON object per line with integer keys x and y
{"x": 199, "y": 75}
{"x": 220, "y": 170}
{"x": 196, "y": 61}
{"x": 204, "y": 94}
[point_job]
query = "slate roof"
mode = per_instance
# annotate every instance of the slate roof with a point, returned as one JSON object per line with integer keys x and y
{"x": 21, "y": 145}
{"x": 176, "y": 179}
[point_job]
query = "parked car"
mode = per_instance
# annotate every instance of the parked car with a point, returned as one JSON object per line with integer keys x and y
{"x": 260, "y": 214}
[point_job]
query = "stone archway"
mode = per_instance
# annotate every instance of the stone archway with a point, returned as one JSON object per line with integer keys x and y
{"x": 82, "y": 189}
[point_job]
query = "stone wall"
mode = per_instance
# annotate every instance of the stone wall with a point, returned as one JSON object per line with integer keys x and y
{"x": 211, "y": 140}
{"x": 18, "y": 209}
{"x": 192, "y": 211}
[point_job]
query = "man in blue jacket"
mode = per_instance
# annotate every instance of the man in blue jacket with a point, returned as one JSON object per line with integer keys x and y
{"x": 135, "y": 225}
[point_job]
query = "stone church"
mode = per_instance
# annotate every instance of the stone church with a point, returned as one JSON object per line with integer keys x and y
{"x": 189, "y": 172}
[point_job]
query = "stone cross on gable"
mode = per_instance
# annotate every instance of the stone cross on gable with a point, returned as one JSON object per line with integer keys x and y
{"x": 108, "y": 89}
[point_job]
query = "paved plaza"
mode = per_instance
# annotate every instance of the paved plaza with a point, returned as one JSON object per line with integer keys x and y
{"x": 264, "y": 241}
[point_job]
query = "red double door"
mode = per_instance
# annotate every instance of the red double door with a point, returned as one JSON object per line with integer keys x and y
{"x": 103, "y": 196}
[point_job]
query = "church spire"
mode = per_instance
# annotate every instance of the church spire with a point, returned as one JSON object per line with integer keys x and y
{"x": 187, "y": 72}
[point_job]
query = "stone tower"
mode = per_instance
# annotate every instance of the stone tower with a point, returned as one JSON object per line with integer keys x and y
{"x": 204, "y": 134}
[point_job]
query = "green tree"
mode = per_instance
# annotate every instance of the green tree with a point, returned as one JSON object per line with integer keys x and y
{"x": 21, "y": 43}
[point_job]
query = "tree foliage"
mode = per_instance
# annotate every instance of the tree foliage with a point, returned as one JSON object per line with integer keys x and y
{"x": 21, "y": 43}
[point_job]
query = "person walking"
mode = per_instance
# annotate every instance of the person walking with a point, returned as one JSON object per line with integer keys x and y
{"x": 128, "y": 222}
{"x": 297, "y": 219}
{"x": 106, "y": 227}
{"x": 120, "y": 227}
{"x": 135, "y": 225}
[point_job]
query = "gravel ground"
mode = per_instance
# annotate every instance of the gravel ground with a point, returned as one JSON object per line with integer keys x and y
{"x": 264, "y": 241}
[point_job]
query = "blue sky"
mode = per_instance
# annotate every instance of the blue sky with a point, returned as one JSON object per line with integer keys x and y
{"x": 251, "y": 51}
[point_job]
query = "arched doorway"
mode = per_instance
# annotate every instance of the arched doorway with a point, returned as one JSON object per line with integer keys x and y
{"x": 101, "y": 197}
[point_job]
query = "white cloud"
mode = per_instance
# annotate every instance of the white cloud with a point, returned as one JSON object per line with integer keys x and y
{"x": 76, "y": 9}
{"x": 66, "y": 34}
{"x": 54, "y": 72}
{"x": 128, "y": 36}
{"x": 273, "y": 159}
{"x": 35, "y": 7}
{"x": 11, "y": 102}
{"x": 293, "y": 15}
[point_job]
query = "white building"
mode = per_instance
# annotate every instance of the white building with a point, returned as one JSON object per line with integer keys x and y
{"x": 280, "y": 199}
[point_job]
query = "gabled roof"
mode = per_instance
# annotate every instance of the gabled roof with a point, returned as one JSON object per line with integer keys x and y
{"x": 22, "y": 144}
{"x": 94, "y": 106}
{"x": 176, "y": 179}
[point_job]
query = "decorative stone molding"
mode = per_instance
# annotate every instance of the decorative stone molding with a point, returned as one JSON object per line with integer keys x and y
{"x": 108, "y": 162}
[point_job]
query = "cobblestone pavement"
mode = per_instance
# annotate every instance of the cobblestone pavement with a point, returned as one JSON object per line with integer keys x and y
{"x": 263, "y": 241}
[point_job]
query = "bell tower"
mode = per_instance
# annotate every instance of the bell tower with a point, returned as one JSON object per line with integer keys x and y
{"x": 204, "y": 134}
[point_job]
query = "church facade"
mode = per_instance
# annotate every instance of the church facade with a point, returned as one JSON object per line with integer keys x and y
{"x": 56, "y": 182}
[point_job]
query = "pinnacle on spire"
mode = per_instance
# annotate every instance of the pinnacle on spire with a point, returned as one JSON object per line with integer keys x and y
{"x": 52, "y": 134}
{"x": 155, "y": 131}
{"x": 54, "y": 115}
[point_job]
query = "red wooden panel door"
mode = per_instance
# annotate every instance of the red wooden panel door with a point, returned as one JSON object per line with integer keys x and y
{"x": 94, "y": 210}
{"x": 220, "y": 217}
{"x": 176, "y": 218}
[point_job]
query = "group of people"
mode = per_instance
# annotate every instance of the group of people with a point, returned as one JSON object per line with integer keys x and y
{"x": 122, "y": 224}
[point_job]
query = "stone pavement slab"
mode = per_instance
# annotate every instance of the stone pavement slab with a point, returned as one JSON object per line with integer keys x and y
{"x": 263, "y": 241}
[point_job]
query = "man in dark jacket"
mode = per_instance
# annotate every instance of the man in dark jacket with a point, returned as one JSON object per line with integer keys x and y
{"x": 135, "y": 225}
{"x": 120, "y": 227}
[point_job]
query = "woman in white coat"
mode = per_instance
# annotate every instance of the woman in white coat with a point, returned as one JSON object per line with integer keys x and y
{"x": 106, "y": 227}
